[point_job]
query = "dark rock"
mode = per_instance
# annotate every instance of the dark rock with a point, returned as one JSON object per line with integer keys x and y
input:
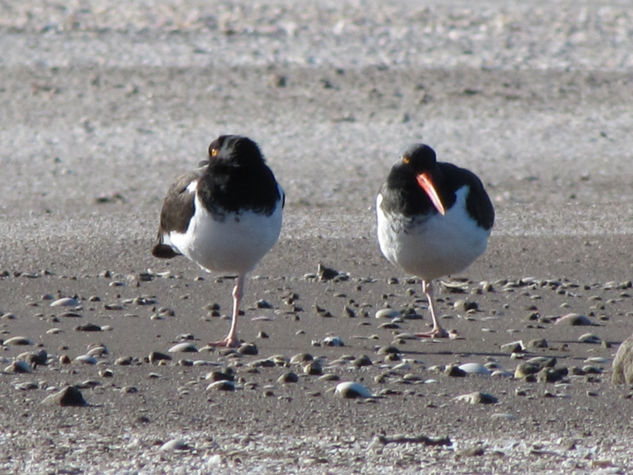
{"x": 69, "y": 396}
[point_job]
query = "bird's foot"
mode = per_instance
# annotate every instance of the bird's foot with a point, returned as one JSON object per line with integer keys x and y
{"x": 226, "y": 342}
{"x": 438, "y": 333}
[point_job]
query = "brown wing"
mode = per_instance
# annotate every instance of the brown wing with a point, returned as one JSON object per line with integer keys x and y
{"x": 178, "y": 208}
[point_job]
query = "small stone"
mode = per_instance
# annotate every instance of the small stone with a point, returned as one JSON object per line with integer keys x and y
{"x": 388, "y": 349}
{"x": 226, "y": 374}
{"x": 222, "y": 385}
{"x": 362, "y": 360}
{"x": 18, "y": 341}
{"x": 465, "y": 305}
{"x": 313, "y": 368}
{"x": 18, "y": 366}
{"x": 184, "y": 347}
{"x": 513, "y": 347}
{"x": 477, "y": 398}
{"x": 551, "y": 375}
{"x": 69, "y": 396}
{"x": 88, "y": 327}
{"x": 474, "y": 368}
{"x": 288, "y": 377}
{"x": 526, "y": 369}
{"x": 261, "y": 303}
{"x": 387, "y": 313}
{"x": 174, "y": 444}
{"x": 332, "y": 341}
{"x": 589, "y": 338}
{"x": 574, "y": 319}
{"x": 248, "y": 349}
{"x": 65, "y": 302}
{"x": 454, "y": 371}
{"x": 156, "y": 356}
{"x": 301, "y": 358}
{"x": 35, "y": 358}
{"x": 352, "y": 390}
{"x": 124, "y": 361}
{"x": 537, "y": 343}
{"x": 86, "y": 359}
{"x": 106, "y": 373}
{"x": 326, "y": 273}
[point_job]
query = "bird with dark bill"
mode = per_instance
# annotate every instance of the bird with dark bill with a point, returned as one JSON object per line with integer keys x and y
{"x": 224, "y": 216}
{"x": 434, "y": 219}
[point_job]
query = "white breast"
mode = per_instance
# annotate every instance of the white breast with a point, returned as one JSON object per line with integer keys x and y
{"x": 233, "y": 243}
{"x": 437, "y": 246}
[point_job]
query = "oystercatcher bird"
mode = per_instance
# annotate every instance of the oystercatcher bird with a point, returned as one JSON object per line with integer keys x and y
{"x": 223, "y": 216}
{"x": 434, "y": 219}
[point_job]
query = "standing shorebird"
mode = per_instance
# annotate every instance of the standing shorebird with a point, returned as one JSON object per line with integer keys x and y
{"x": 224, "y": 216}
{"x": 434, "y": 219}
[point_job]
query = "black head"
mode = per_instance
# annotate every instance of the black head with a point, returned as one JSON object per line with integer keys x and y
{"x": 235, "y": 149}
{"x": 419, "y": 157}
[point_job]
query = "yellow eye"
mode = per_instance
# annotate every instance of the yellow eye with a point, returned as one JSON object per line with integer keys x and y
{"x": 406, "y": 159}
{"x": 214, "y": 152}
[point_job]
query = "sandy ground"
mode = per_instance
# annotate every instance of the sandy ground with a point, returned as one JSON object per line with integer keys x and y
{"x": 101, "y": 107}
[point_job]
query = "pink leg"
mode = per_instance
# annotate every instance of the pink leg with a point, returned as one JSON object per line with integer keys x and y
{"x": 231, "y": 339}
{"x": 437, "y": 331}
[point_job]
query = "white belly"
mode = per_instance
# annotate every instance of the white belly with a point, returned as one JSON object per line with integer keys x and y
{"x": 438, "y": 246}
{"x": 235, "y": 243}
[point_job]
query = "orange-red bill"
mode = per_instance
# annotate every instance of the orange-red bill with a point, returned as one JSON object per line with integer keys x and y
{"x": 425, "y": 182}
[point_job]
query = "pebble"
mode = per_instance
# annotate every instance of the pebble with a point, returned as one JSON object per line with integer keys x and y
{"x": 313, "y": 368}
{"x": 289, "y": 377}
{"x": 513, "y": 347}
{"x": 454, "y": 371}
{"x": 34, "y": 357}
{"x": 526, "y": 369}
{"x": 18, "y": 341}
{"x": 174, "y": 444}
{"x": 86, "y": 359}
{"x": 222, "y": 385}
{"x": 387, "y": 313}
{"x": 18, "y": 366}
{"x": 388, "y": 349}
{"x": 537, "y": 343}
{"x": 156, "y": 356}
{"x": 301, "y": 358}
{"x": 551, "y": 375}
{"x": 474, "y": 368}
{"x": 70, "y": 315}
{"x": 68, "y": 396}
{"x": 88, "y": 327}
{"x": 477, "y": 398}
{"x": 362, "y": 360}
{"x": 124, "y": 361}
{"x": 226, "y": 374}
{"x": 351, "y": 390}
{"x": 184, "y": 347}
{"x": 574, "y": 319}
{"x": 98, "y": 350}
{"x": 65, "y": 302}
{"x": 248, "y": 349}
{"x": 26, "y": 386}
{"x": 326, "y": 273}
{"x": 589, "y": 338}
{"x": 332, "y": 341}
